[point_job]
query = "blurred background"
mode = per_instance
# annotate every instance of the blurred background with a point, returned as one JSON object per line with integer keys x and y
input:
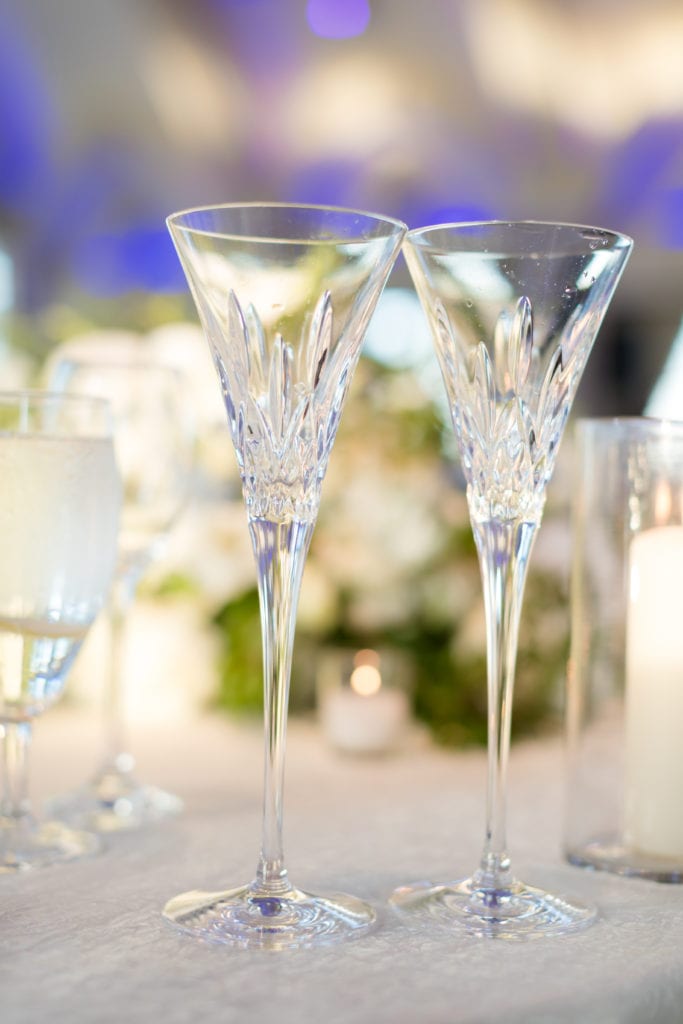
{"x": 112, "y": 115}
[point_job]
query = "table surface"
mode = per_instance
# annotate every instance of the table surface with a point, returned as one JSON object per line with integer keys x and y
{"x": 85, "y": 941}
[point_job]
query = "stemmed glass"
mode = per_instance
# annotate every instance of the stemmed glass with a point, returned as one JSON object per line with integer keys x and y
{"x": 285, "y": 294}
{"x": 154, "y": 442}
{"x": 59, "y": 511}
{"x": 514, "y": 309}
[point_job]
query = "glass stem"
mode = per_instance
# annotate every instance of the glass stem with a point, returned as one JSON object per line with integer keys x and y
{"x": 504, "y": 549}
{"x": 16, "y": 741}
{"x": 116, "y": 758}
{"x": 280, "y": 550}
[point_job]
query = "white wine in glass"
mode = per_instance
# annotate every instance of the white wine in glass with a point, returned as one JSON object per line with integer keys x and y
{"x": 59, "y": 514}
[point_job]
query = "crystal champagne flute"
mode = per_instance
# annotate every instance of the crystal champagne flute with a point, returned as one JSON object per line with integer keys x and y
{"x": 154, "y": 442}
{"x": 59, "y": 512}
{"x": 514, "y": 309}
{"x": 285, "y": 294}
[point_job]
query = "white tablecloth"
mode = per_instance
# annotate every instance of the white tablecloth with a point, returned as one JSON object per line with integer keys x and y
{"x": 85, "y": 942}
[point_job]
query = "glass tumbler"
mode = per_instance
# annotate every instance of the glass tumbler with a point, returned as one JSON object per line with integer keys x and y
{"x": 625, "y": 681}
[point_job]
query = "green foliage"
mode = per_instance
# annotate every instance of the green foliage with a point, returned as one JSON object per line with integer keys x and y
{"x": 451, "y": 694}
{"x": 172, "y": 584}
{"x": 240, "y": 664}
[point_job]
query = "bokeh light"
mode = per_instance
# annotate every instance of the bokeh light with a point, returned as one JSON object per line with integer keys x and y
{"x": 338, "y": 19}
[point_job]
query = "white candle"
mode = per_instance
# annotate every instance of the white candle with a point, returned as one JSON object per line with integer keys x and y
{"x": 654, "y": 694}
{"x": 365, "y": 716}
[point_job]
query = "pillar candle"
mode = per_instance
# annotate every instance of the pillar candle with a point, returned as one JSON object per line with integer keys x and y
{"x": 654, "y": 694}
{"x": 363, "y": 714}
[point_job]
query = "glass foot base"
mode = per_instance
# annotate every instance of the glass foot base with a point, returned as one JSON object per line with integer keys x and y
{"x": 28, "y": 845}
{"x": 241, "y": 917}
{"x": 610, "y": 853}
{"x": 516, "y": 912}
{"x": 116, "y": 802}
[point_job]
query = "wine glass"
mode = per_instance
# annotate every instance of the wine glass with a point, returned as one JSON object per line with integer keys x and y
{"x": 514, "y": 309}
{"x": 59, "y": 512}
{"x": 285, "y": 294}
{"x": 154, "y": 442}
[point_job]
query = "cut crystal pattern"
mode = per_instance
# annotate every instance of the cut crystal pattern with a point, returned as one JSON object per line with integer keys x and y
{"x": 514, "y": 308}
{"x": 285, "y": 294}
{"x": 283, "y": 407}
{"x": 508, "y": 428}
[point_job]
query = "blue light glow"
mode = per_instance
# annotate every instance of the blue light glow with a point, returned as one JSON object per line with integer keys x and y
{"x": 670, "y": 220}
{"x": 635, "y": 169}
{"x": 143, "y": 258}
{"x": 26, "y": 116}
{"x": 338, "y": 19}
{"x": 424, "y": 214}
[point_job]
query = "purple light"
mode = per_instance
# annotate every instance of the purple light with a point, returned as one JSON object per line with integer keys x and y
{"x": 669, "y": 222}
{"x": 422, "y": 212}
{"x": 338, "y": 19}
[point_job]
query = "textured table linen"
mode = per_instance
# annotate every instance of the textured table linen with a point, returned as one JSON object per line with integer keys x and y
{"x": 85, "y": 942}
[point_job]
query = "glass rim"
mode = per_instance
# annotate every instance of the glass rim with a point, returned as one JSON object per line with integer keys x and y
{"x": 47, "y": 413}
{"x": 628, "y": 427}
{"x": 110, "y": 364}
{"x": 36, "y": 396}
{"x": 418, "y": 235}
{"x": 174, "y": 221}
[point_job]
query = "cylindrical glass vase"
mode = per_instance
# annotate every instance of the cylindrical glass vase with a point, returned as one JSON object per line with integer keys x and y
{"x": 625, "y": 680}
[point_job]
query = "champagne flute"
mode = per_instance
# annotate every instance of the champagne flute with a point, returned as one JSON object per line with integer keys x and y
{"x": 285, "y": 294}
{"x": 514, "y": 309}
{"x": 59, "y": 513}
{"x": 154, "y": 441}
